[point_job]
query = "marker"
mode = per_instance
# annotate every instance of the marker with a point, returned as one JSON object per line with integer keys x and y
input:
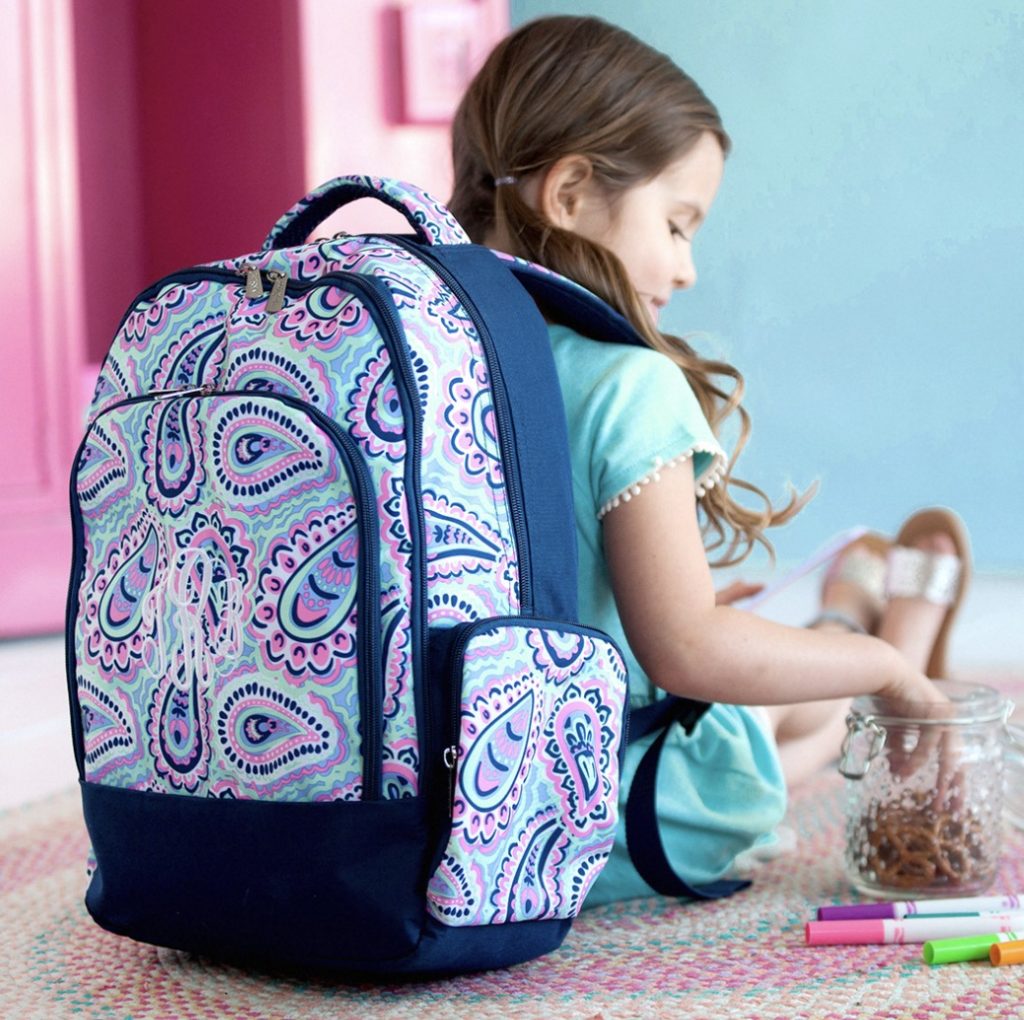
{"x": 912, "y": 929}
{"x": 1008, "y": 952}
{"x": 973, "y": 947}
{"x": 905, "y": 908}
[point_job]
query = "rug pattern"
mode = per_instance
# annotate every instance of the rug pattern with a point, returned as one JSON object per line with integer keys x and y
{"x": 739, "y": 958}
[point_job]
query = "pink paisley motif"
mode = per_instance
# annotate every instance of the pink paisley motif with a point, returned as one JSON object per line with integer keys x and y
{"x": 115, "y": 630}
{"x": 264, "y": 453}
{"x": 560, "y": 654}
{"x": 528, "y": 888}
{"x": 149, "y": 320}
{"x": 276, "y": 742}
{"x": 179, "y": 729}
{"x": 218, "y": 546}
{"x": 110, "y": 730}
{"x": 448, "y": 608}
{"x": 498, "y": 743}
{"x": 305, "y": 612}
{"x": 104, "y": 473}
{"x": 469, "y": 426}
{"x": 455, "y": 891}
{"x": 117, "y": 381}
{"x": 580, "y": 740}
{"x": 458, "y": 541}
{"x": 375, "y": 415}
{"x": 323, "y": 319}
{"x": 263, "y": 369}
{"x": 400, "y": 768}
{"x": 173, "y": 454}
{"x": 194, "y": 355}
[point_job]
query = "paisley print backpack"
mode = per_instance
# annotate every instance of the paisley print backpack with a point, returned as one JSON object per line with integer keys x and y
{"x": 331, "y": 703}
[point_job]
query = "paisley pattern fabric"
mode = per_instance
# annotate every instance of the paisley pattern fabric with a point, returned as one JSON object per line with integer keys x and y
{"x": 535, "y": 802}
{"x": 217, "y": 621}
{"x": 330, "y": 348}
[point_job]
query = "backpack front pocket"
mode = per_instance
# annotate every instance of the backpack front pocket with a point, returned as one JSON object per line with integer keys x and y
{"x": 537, "y": 729}
{"x": 226, "y": 622}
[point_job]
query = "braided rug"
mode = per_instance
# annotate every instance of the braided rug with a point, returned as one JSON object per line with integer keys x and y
{"x": 743, "y": 957}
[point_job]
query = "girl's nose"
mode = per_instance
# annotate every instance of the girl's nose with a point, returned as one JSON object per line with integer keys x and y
{"x": 686, "y": 270}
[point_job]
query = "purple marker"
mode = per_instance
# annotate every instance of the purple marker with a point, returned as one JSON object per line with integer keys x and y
{"x": 899, "y": 909}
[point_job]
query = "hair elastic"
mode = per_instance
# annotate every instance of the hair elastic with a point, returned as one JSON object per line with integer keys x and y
{"x": 508, "y": 179}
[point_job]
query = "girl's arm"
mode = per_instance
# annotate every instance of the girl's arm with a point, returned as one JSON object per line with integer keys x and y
{"x": 690, "y": 646}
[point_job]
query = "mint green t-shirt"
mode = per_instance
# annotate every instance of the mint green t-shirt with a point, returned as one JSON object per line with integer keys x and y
{"x": 632, "y": 415}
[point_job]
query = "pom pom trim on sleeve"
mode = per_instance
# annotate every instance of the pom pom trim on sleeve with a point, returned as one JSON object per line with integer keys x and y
{"x": 708, "y": 479}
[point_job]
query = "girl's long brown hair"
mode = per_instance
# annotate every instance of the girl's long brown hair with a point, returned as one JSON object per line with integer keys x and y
{"x": 579, "y": 86}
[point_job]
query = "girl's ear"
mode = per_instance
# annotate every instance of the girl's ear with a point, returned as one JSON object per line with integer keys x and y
{"x": 564, "y": 189}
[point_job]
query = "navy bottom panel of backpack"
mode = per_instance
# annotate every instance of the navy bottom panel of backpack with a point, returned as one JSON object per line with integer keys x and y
{"x": 337, "y": 883}
{"x": 328, "y": 888}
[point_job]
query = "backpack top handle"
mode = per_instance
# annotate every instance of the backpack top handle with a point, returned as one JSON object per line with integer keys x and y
{"x": 431, "y": 221}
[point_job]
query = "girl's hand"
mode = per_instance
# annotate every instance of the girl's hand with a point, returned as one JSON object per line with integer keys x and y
{"x": 735, "y": 591}
{"x": 915, "y": 696}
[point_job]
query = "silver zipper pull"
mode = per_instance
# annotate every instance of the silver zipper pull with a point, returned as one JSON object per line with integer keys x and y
{"x": 451, "y": 761}
{"x": 206, "y": 390}
{"x": 278, "y": 283}
{"x": 253, "y": 283}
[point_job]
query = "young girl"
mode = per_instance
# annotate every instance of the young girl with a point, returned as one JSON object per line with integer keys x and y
{"x": 582, "y": 149}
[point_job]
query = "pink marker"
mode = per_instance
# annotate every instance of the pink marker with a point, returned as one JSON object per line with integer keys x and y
{"x": 909, "y": 908}
{"x": 879, "y": 932}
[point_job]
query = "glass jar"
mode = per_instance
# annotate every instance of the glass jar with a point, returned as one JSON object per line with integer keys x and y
{"x": 924, "y": 792}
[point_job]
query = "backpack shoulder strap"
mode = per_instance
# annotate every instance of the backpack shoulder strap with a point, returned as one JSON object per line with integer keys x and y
{"x": 577, "y": 306}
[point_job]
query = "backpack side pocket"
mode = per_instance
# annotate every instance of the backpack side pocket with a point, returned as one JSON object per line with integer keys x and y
{"x": 537, "y": 726}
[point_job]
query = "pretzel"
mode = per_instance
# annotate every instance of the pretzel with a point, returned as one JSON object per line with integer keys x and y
{"x": 921, "y": 845}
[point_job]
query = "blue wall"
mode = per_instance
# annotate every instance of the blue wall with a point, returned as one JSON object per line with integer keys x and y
{"x": 864, "y": 263}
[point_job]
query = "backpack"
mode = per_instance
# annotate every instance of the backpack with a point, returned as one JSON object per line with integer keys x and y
{"x": 332, "y": 707}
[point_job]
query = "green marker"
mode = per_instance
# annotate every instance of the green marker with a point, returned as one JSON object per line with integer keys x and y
{"x": 969, "y": 947}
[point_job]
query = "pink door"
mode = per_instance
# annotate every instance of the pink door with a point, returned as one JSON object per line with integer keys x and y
{"x": 40, "y": 403}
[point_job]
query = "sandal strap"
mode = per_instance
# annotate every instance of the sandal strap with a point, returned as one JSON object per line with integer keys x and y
{"x": 864, "y": 569}
{"x": 836, "y": 616}
{"x": 917, "y": 574}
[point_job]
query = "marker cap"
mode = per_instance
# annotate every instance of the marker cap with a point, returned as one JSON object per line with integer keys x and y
{"x": 1002, "y": 953}
{"x": 857, "y": 912}
{"x": 968, "y": 947}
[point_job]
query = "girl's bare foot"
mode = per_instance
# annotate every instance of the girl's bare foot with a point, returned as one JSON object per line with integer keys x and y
{"x": 912, "y": 624}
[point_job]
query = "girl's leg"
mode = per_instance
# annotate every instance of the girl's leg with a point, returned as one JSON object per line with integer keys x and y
{"x": 810, "y": 734}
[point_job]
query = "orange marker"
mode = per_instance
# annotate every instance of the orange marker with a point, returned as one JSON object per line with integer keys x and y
{"x": 1002, "y": 953}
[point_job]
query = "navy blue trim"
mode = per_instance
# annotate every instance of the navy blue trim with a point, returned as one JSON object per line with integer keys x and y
{"x": 334, "y": 887}
{"x": 295, "y": 231}
{"x": 534, "y": 429}
{"x": 576, "y": 307}
{"x": 337, "y": 883}
{"x": 665, "y": 711}
{"x": 643, "y": 837}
